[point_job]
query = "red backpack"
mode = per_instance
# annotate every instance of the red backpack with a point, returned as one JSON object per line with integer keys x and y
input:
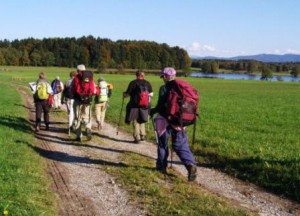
{"x": 85, "y": 86}
{"x": 143, "y": 95}
{"x": 182, "y": 104}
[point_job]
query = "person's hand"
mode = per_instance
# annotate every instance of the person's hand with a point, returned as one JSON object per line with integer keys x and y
{"x": 125, "y": 94}
{"x": 152, "y": 112}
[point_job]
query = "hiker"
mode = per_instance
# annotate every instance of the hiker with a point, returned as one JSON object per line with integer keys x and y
{"x": 103, "y": 93}
{"x": 57, "y": 87}
{"x": 164, "y": 130}
{"x": 41, "y": 99}
{"x": 83, "y": 88}
{"x": 68, "y": 99}
{"x": 137, "y": 109}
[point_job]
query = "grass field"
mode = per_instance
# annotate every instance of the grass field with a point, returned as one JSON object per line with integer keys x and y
{"x": 250, "y": 129}
{"x": 24, "y": 188}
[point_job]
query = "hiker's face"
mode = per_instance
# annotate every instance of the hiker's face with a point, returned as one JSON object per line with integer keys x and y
{"x": 166, "y": 78}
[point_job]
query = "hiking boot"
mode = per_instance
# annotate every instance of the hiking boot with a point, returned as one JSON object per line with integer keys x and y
{"x": 136, "y": 141}
{"x": 78, "y": 139}
{"x": 192, "y": 172}
{"x": 47, "y": 127}
{"x": 142, "y": 138}
{"x": 99, "y": 127}
{"x": 88, "y": 134}
{"x": 162, "y": 170}
{"x": 37, "y": 128}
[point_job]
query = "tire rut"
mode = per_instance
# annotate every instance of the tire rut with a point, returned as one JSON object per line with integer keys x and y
{"x": 81, "y": 186}
{"x": 70, "y": 197}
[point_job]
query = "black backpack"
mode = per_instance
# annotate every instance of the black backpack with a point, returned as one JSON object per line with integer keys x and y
{"x": 68, "y": 91}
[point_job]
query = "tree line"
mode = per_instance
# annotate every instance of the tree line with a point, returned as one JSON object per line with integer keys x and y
{"x": 248, "y": 66}
{"x": 93, "y": 52}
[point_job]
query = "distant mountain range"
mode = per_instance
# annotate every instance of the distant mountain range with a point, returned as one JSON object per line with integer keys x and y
{"x": 260, "y": 57}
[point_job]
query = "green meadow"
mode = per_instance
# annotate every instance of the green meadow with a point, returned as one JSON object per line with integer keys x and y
{"x": 249, "y": 129}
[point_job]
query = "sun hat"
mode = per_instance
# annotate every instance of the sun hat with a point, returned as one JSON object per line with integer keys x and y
{"x": 57, "y": 78}
{"x": 168, "y": 71}
{"x": 101, "y": 79}
{"x": 81, "y": 67}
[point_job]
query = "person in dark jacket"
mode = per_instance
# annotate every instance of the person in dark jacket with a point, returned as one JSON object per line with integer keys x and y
{"x": 42, "y": 104}
{"x": 165, "y": 130}
{"x": 134, "y": 112}
{"x": 68, "y": 99}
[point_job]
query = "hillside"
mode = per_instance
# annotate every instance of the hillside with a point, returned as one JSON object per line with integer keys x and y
{"x": 259, "y": 57}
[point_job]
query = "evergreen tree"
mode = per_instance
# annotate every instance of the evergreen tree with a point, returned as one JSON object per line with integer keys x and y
{"x": 295, "y": 71}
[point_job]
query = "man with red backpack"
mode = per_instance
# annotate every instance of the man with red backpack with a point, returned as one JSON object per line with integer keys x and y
{"x": 83, "y": 88}
{"x": 171, "y": 121}
{"x": 137, "y": 109}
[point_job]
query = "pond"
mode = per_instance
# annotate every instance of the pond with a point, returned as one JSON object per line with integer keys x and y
{"x": 244, "y": 77}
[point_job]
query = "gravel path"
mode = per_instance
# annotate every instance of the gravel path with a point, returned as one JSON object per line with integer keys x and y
{"x": 85, "y": 189}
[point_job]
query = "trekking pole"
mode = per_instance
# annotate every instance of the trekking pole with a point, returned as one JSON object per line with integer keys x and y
{"x": 120, "y": 116}
{"x": 194, "y": 131}
{"x": 171, "y": 156}
{"x": 155, "y": 132}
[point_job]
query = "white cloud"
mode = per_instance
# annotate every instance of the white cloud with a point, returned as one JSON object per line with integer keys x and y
{"x": 198, "y": 49}
{"x": 287, "y": 51}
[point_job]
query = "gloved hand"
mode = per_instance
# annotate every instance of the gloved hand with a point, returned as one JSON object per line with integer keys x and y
{"x": 125, "y": 94}
{"x": 152, "y": 112}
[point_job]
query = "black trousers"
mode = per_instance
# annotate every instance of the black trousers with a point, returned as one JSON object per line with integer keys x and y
{"x": 42, "y": 106}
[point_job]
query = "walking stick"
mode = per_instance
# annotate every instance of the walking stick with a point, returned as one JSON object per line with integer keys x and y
{"x": 155, "y": 132}
{"x": 194, "y": 131}
{"x": 120, "y": 116}
{"x": 171, "y": 156}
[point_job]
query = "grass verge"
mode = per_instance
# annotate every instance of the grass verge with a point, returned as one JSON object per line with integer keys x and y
{"x": 24, "y": 188}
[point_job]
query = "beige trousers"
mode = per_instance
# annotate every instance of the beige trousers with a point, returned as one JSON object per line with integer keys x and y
{"x": 139, "y": 130}
{"x": 82, "y": 116}
{"x": 100, "y": 110}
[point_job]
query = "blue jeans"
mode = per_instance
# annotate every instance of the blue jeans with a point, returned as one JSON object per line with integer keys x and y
{"x": 179, "y": 144}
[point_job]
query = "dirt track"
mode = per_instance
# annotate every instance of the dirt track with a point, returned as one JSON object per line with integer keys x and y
{"x": 84, "y": 189}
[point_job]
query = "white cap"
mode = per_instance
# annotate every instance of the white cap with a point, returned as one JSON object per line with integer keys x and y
{"x": 81, "y": 67}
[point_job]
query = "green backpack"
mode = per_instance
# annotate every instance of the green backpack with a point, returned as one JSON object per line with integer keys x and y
{"x": 103, "y": 96}
{"x": 41, "y": 91}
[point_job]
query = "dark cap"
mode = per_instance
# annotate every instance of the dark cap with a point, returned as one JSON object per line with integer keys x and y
{"x": 140, "y": 73}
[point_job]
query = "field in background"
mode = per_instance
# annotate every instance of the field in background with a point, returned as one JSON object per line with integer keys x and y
{"x": 24, "y": 187}
{"x": 250, "y": 129}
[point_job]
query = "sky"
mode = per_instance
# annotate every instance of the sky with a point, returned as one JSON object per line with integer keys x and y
{"x": 221, "y": 28}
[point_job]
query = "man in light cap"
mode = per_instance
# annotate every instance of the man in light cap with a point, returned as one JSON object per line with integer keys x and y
{"x": 83, "y": 88}
{"x": 164, "y": 130}
{"x": 80, "y": 67}
{"x": 57, "y": 87}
